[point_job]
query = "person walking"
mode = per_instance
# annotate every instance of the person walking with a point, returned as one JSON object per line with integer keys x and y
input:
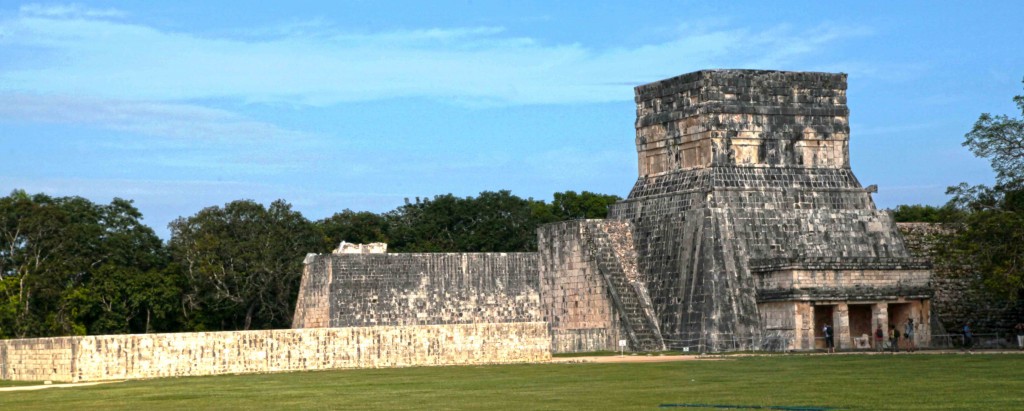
{"x": 879, "y": 336}
{"x": 908, "y": 334}
{"x": 1020, "y": 334}
{"x": 830, "y": 342}
{"x": 968, "y": 337}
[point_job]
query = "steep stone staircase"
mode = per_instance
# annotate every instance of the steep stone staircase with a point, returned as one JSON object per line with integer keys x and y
{"x": 633, "y": 307}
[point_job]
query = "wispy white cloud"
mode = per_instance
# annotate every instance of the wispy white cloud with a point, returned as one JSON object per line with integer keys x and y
{"x": 68, "y": 10}
{"x": 183, "y": 121}
{"x": 318, "y": 64}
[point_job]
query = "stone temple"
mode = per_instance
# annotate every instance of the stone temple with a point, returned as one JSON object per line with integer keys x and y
{"x": 745, "y": 230}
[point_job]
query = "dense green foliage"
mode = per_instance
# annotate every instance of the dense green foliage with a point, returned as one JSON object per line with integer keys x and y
{"x": 849, "y": 382}
{"x": 69, "y": 266}
{"x": 990, "y": 222}
{"x": 242, "y": 263}
{"x": 918, "y": 213}
{"x": 492, "y": 221}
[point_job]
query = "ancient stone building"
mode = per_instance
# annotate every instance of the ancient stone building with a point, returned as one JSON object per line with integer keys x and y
{"x": 746, "y": 229}
{"x": 748, "y": 221}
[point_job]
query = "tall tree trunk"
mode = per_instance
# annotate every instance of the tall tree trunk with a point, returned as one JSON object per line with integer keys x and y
{"x": 248, "y": 315}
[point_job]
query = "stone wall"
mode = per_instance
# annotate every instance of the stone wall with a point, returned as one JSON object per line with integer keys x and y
{"x": 575, "y": 300}
{"x": 591, "y": 290}
{"x": 959, "y": 295}
{"x": 38, "y": 359}
{"x": 852, "y": 280}
{"x": 110, "y": 357}
{"x": 781, "y": 323}
{"x": 313, "y": 308}
{"x": 418, "y": 288}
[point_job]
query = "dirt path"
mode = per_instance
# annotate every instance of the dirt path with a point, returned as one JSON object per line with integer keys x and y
{"x": 45, "y": 386}
{"x": 636, "y": 358}
{"x": 716, "y": 357}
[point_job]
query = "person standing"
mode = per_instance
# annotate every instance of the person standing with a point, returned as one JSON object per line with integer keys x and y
{"x": 908, "y": 334}
{"x": 830, "y": 342}
{"x": 894, "y": 339}
{"x": 968, "y": 336}
{"x": 1020, "y": 334}
{"x": 879, "y": 336}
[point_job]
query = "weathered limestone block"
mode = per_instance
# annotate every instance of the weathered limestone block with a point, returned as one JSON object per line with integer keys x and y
{"x": 312, "y": 308}
{"x": 106, "y": 357}
{"x": 593, "y": 295}
{"x": 576, "y": 302}
{"x": 352, "y": 248}
{"x": 368, "y": 289}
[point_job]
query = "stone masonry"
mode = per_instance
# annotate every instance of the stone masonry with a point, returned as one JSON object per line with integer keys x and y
{"x": 744, "y": 181}
{"x": 591, "y": 296}
{"x": 746, "y": 229}
{"x": 362, "y": 289}
{"x": 117, "y": 357}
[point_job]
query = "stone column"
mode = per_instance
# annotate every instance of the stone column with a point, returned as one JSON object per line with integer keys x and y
{"x": 923, "y": 323}
{"x": 841, "y": 326}
{"x": 804, "y": 329}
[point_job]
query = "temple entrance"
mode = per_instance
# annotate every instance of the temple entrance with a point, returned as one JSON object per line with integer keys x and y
{"x": 822, "y": 316}
{"x": 860, "y": 325}
{"x": 898, "y": 315}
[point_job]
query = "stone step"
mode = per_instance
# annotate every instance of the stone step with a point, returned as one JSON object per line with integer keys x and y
{"x": 641, "y": 330}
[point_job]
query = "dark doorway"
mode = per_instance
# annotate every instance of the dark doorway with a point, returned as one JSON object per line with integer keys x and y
{"x": 899, "y": 313}
{"x": 860, "y": 324}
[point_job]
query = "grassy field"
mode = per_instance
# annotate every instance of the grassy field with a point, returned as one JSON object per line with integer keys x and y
{"x": 843, "y": 381}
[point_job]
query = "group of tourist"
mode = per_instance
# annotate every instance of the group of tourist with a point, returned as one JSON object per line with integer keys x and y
{"x": 894, "y": 337}
{"x": 908, "y": 337}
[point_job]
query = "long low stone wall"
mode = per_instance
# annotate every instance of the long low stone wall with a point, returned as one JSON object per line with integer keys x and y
{"x": 116, "y": 357}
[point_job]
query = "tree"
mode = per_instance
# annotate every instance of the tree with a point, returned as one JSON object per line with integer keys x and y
{"x": 66, "y": 264}
{"x": 569, "y": 205}
{"x": 1000, "y": 139}
{"x": 361, "y": 227}
{"x": 990, "y": 228}
{"x": 133, "y": 290}
{"x": 918, "y": 213}
{"x": 242, "y": 263}
{"x": 493, "y": 221}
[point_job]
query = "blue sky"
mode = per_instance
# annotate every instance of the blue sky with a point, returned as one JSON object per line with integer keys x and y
{"x": 333, "y": 105}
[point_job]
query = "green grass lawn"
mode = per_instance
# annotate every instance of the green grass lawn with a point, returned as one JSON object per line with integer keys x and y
{"x": 842, "y": 381}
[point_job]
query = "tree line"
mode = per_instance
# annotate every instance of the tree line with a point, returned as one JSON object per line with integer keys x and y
{"x": 69, "y": 266}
